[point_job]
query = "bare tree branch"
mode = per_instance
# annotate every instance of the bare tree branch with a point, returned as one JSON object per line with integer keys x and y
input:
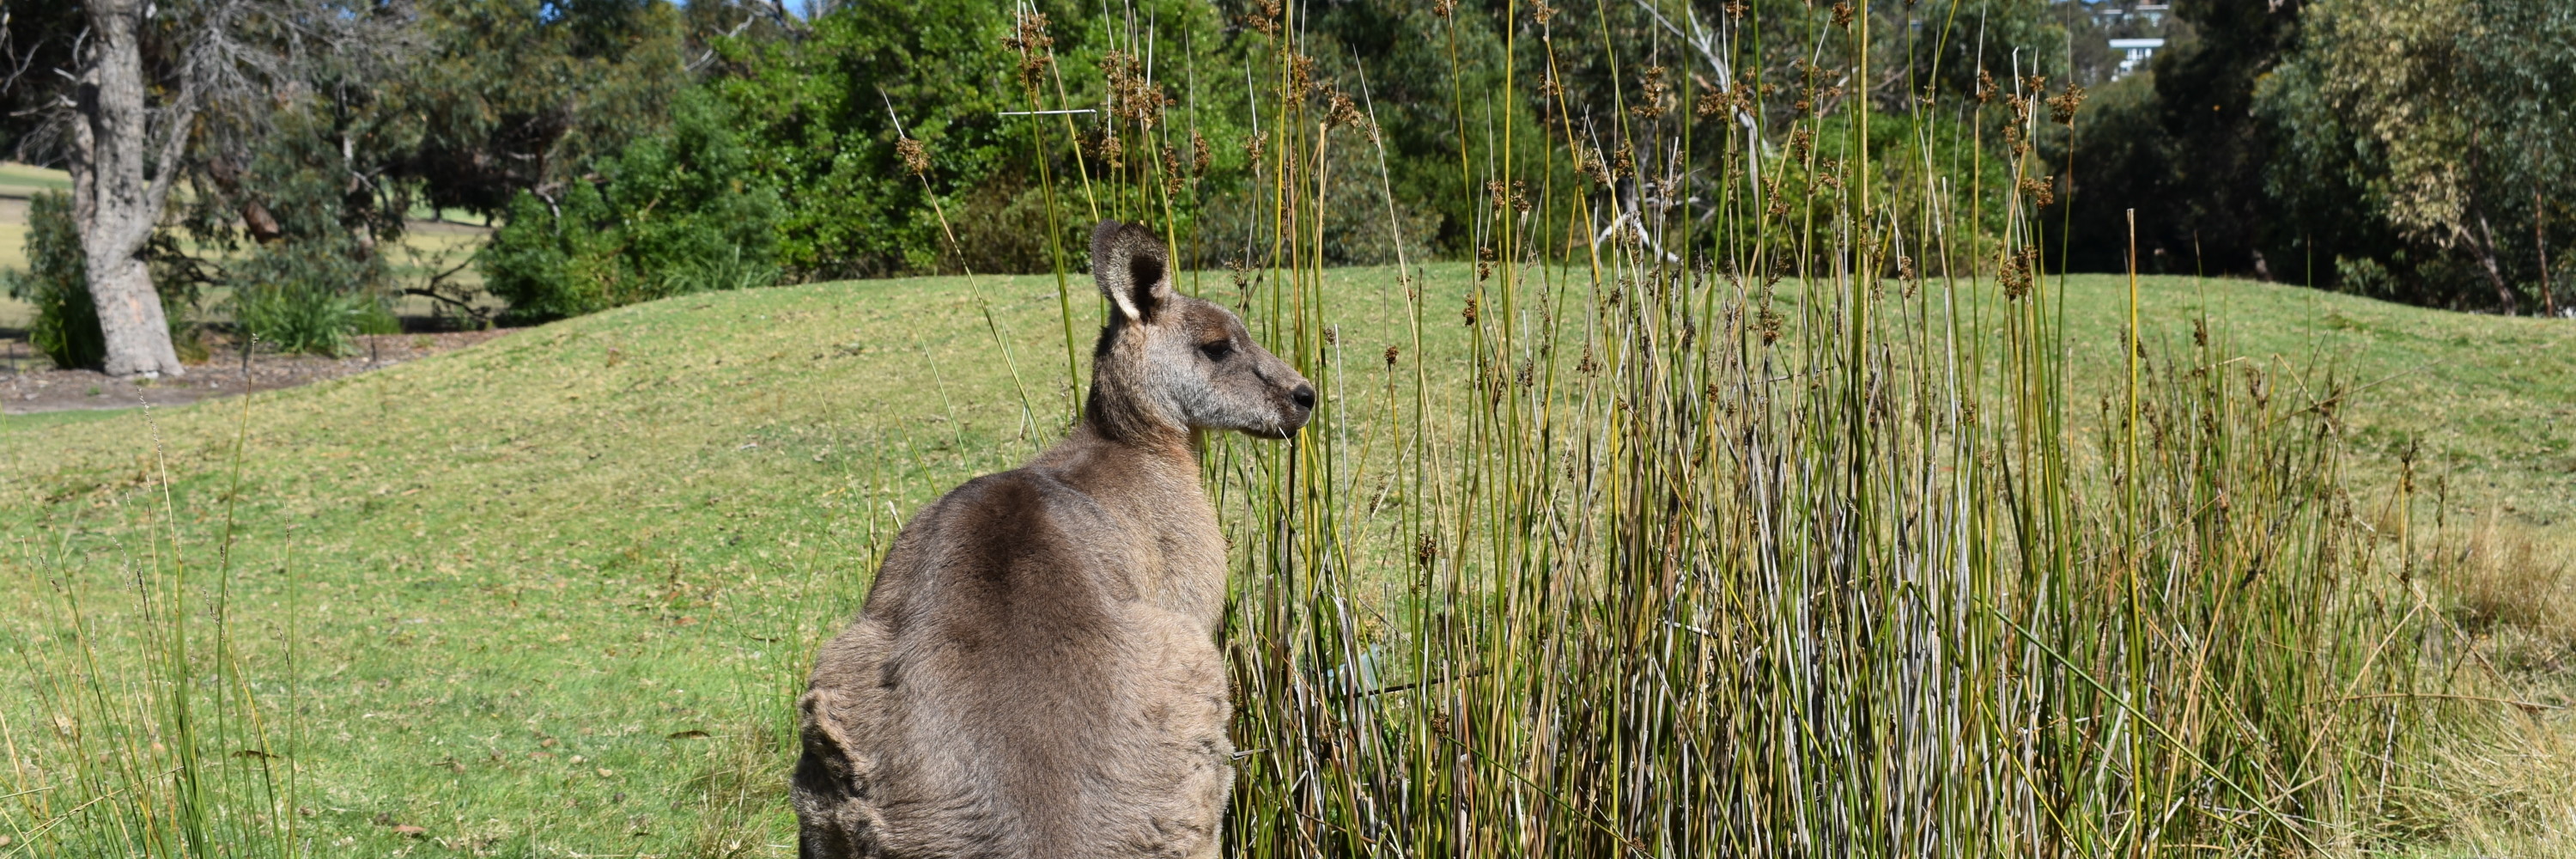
{"x": 1704, "y": 42}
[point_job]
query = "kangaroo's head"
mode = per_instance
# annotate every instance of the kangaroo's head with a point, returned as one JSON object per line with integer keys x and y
{"x": 1167, "y": 363}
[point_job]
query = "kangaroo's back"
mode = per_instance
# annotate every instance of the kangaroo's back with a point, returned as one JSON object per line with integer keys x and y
{"x": 1035, "y": 671}
{"x": 950, "y": 719}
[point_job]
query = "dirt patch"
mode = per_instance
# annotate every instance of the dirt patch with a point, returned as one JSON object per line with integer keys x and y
{"x": 226, "y": 375}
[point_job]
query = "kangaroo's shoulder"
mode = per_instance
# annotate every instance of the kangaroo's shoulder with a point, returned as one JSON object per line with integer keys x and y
{"x": 1014, "y": 542}
{"x": 1012, "y": 510}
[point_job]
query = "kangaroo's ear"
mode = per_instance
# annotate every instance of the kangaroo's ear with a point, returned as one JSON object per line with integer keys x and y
{"x": 1132, "y": 269}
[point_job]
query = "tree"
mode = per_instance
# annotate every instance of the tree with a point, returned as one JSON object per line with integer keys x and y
{"x": 670, "y": 216}
{"x": 517, "y": 95}
{"x": 2185, "y": 146}
{"x": 818, "y": 113}
{"x": 2446, "y": 114}
{"x": 121, "y": 107}
{"x": 121, "y": 168}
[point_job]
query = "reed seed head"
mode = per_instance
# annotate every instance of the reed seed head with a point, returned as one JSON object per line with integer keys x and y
{"x": 1110, "y": 149}
{"x": 915, "y": 158}
{"x": 2061, "y": 107}
{"x": 1710, "y": 104}
{"x": 1654, "y": 95}
{"x": 2041, "y": 191}
{"x": 1301, "y": 77}
{"x": 1029, "y": 38}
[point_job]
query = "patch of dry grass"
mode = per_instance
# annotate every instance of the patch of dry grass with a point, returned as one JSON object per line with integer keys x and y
{"x": 2499, "y": 777}
{"x": 2505, "y": 579}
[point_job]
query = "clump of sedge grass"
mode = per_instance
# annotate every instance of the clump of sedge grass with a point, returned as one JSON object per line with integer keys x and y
{"x": 148, "y": 732}
{"x": 1760, "y": 521}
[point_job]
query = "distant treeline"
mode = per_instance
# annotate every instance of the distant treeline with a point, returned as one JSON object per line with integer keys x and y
{"x": 2417, "y": 151}
{"x": 630, "y": 149}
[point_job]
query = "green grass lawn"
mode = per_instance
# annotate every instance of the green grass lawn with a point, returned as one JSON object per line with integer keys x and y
{"x": 551, "y": 594}
{"x": 2486, "y": 401}
{"x": 19, "y": 180}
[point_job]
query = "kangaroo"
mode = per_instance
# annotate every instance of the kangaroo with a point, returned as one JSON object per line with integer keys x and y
{"x": 1035, "y": 672}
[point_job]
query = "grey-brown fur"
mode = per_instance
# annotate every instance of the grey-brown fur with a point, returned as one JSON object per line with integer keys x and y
{"x": 1035, "y": 673}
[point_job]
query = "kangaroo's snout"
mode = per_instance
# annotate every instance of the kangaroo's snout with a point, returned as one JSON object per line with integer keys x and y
{"x": 1301, "y": 407}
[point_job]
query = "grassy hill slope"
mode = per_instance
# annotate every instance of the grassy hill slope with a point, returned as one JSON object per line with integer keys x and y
{"x": 551, "y": 594}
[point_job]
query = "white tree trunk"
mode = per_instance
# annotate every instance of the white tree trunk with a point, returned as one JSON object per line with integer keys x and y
{"x": 117, "y": 196}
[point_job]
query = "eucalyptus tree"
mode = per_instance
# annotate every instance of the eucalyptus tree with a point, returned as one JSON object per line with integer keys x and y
{"x": 122, "y": 101}
{"x": 2450, "y": 116}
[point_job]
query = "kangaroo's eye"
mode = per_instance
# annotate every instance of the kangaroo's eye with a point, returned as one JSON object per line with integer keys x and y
{"x": 1217, "y": 350}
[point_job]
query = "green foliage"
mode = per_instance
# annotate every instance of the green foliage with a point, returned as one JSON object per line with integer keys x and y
{"x": 1235, "y": 219}
{"x": 1948, "y": 44}
{"x": 820, "y": 115}
{"x": 672, "y": 214}
{"x": 819, "y": 130}
{"x": 1913, "y": 154}
{"x": 2411, "y": 151}
{"x": 313, "y": 275}
{"x": 1425, "y": 78}
{"x": 309, "y": 296}
{"x": 56, "y": 282}
{"x": 2445, "y": 123}
{"x": 513, "y": 95}
{"x": 2185, "y": 147}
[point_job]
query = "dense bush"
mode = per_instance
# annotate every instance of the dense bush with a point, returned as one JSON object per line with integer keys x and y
{"x": 65, "y": 327}
{"x": 2183, "y": 146}
{"x": 310, "y": 296}
{"x": 2407, "y": 151}
{"x": 56, "y": 282}
{"x": 2443, "y": 124}
{"x": 1163, "y": 127}
{"x": 820, "y": 114}
{"x": 671, "y": 214}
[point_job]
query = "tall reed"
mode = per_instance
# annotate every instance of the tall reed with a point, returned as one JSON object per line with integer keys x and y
{"x": 1765, "y": 518}
{"x": 146, "y": 733}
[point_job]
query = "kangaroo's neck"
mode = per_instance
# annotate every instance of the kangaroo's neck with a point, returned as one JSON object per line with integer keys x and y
{"x": 1151, "y": 483}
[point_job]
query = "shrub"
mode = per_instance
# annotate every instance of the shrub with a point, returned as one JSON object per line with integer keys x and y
{"x": 300, "y": 316}
{"x": 2366, "y": 276}
{"x": 57, "y": 283}
{"x": 310, "y": 296}
{"x": 671, "y": 216}
{"x": 815, "y": 113}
